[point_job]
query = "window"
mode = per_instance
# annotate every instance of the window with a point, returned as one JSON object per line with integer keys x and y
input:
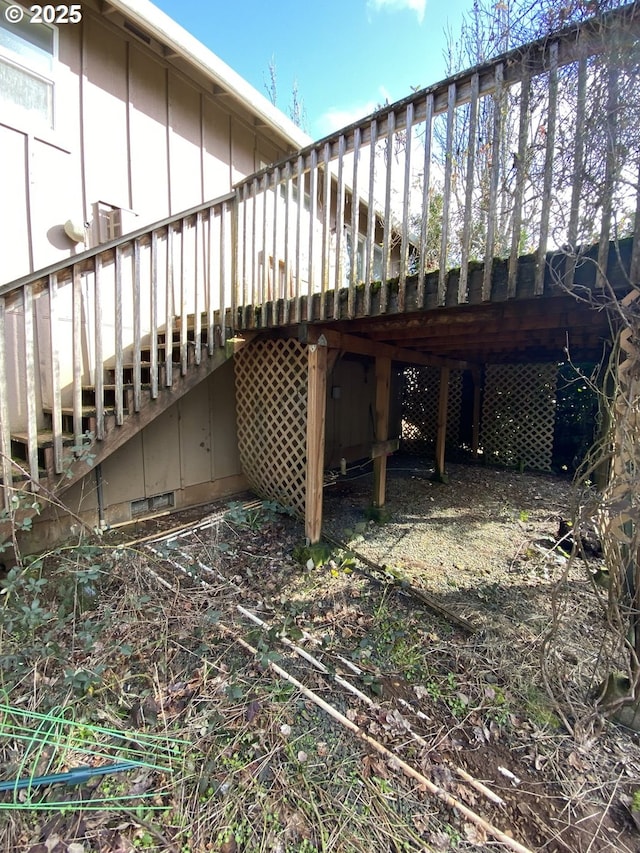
{"x": 28, "y": 54}
{"x": 294, "y": 195}
{"x": 376, "y": 272}
{"x": 111, "y": 221}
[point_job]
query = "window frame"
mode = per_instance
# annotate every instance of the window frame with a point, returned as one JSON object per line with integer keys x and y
{"x": 360, "y": 257}
{"x": 20, "y": 117}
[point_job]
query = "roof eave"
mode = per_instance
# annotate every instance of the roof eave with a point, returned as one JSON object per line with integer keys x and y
{"x": 179, "y": 41}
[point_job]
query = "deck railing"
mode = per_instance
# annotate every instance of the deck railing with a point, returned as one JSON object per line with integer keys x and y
{"x": 534, "y": 150}
{"x": 538, "y": 148}
{"x": 115, "y": 315}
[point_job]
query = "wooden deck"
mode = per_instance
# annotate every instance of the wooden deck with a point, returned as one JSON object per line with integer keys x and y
{"x": 401, "y": 237}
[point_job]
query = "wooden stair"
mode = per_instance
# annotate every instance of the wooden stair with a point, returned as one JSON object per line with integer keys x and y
{"x": 81, "y": 452}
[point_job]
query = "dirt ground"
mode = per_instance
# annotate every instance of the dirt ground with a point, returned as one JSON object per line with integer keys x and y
{"x": 430, "y": 626}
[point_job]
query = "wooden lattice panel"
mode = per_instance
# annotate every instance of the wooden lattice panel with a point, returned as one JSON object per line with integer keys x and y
{"x": 271, "y": 403}
{"x": 518, "y": 414}
{"x": 420, "y": 409}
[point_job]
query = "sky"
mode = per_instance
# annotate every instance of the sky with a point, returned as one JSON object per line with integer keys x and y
{"x": 347, "y": 56}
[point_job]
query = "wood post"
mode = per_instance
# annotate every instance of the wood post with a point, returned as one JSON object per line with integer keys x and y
{"x": 443, "y": 404}
{"x": 316, "y": 413}
{"x": 383, "y": 385}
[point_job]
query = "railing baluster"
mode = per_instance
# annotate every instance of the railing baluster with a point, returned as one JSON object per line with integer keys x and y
{"x": 210, "y": 277}
{"x": 448, "y": 168}
{"x": 300, "y": 211}
{"x": 242, "y": 256}
{"x": 355, "y": 226}
{"x": 406, "y": 207}
{"x": 288, "y": 204}
{"x": 264, "y": 273}
{"x": 168, "y": 331}
{"x": 119, "y": 359}
{"x": 137, "y": 344}
{"x": 313, "y": 215}
{"x": 371, "y": 218}
{"x": 236, "y": 282}
{"x": 609, "y": 173}
{"x": 253, "y": 249}
{"x": 326, "y": 230}
{"x": 198, "y": 277}
{"x": 340, "y": 202}
{"x": 56, "y": 393}
{"x": 5, "y": 423}
{"x": 388, "y": 218}
{"x": 98, "y": 360}
{"x": 184, "y": 278}
{"x": 547, "y": 185}
{"x": 492, "y": 211}
{"x": 30, "y": 384}
{"x": 468, "y": 200}
{"x": 577, "y": 178}
{"x": 426, "y": 201}
{"x": 78, "y": 432}
{"x": 518, "y": 196}
{"x": 274, "y": 290}
{"x": 153, "y": 330}
{"x": 227, "y": 232}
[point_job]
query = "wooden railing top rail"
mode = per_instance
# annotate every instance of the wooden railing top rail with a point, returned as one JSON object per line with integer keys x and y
{"x": 75, "y": 260}
{"x": 574, "y": 42}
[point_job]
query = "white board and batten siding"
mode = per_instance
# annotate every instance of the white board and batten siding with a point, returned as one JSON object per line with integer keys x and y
{"x": 131, "y": 130}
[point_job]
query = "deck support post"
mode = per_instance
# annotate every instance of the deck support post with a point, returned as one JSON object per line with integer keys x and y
{"x": 316, "y": 415}
{"x": 383, "y": 386}
{"x": 443, "y": 405}
{"x": 477, "y": 396}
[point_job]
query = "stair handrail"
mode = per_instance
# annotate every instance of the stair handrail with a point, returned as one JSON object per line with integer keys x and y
{"x": 74, "y": 260}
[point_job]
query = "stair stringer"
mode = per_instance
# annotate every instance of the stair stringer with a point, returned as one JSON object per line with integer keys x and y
{"x": 133, "y": 423}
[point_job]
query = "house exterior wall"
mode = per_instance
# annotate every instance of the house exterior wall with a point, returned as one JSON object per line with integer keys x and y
{"x": 350, "y": 412}
{"x": 189, "y": 452}
{"x": 131, "y": 130}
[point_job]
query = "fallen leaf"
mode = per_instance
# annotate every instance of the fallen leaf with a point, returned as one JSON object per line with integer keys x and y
{"x": 467, "y": 795}
{"x": 253, "y": 710}
{"x": 575, "y": 761}
{"x": 474, "y": 834}
{"x": 372, "y": 766}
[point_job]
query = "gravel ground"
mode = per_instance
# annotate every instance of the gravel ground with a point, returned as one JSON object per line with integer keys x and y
{"x": 462, "y": 540}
